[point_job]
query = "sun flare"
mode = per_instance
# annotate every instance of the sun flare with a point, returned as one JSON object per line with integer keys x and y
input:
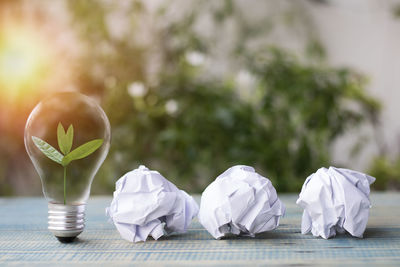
{"x": 18, "y": 60}
{"x": 23, "y": 59}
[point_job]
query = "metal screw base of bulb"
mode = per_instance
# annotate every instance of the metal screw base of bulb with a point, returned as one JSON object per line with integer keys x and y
{"x": 66, "y": 221}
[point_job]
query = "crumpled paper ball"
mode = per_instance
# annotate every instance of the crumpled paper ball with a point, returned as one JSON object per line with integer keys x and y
{"x": 335, "y": 200}
{"x": 240, "y": 202}
{"x": 146, "y": 204}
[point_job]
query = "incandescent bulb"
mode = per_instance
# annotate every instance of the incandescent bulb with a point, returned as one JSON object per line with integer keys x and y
{"x": 67, "y": 137}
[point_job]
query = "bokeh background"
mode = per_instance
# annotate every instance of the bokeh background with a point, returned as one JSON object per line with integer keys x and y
{"x": 193, "y": 87}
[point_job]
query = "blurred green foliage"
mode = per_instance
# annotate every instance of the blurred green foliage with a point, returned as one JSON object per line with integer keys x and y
{"x": 388, "y": 173}
{"x": 285, "y": 127}
{"x": 194, "y": 87}
{"x": 396, "y": 10}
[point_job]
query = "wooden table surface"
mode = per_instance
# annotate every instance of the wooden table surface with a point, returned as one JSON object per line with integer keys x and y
{"x": 24, "y": 240}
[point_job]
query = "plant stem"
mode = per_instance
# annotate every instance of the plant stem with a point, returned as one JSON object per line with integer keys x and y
{"x": 65, "y": 179}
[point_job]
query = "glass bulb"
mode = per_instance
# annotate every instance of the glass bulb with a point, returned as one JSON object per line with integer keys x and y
{"x": 67, "y": 137}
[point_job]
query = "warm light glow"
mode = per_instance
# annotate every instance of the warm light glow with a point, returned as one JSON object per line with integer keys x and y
{"x": 22, "y": 59}
{"x": 35, "y": 61}
{"x": 18, "y": 61}
{"x": 24, "y": 63}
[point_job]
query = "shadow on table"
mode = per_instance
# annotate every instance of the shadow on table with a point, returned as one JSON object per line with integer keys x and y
{"x": 288, "y": 235}
{"x": 202, "y": 234}
{"x": 384, "y": 232}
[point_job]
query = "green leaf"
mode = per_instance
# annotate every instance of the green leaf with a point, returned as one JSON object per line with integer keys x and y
{"x": 61, "y": 137}
{"x": 65, "y": 139}
{"x": 48, "y": 150}
{"x": 69, "y": 138}
{"x": 82, "y": 151}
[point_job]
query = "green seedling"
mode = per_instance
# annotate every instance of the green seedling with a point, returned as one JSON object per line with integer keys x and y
{"x": 64, "y": 158}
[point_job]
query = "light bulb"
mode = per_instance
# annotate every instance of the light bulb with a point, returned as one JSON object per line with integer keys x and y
{"x": 67, "y": 137}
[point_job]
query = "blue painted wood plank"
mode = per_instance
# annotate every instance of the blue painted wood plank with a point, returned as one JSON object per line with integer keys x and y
{"x": 24, "y": 240}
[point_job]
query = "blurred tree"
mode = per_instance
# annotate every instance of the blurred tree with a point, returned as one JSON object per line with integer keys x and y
{"x": 386, "y": 167}
{"x": 388, "y": 172}
{"x": 171, "y": 109}
{"x": 193, "y": 87}
{"x": 396, "y": 10}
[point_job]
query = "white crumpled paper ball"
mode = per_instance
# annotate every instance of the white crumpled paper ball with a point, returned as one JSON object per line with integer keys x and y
{"x": 145, "y": 203}
{"x": 240, "y": 201}
{"x": 335, "y": 200}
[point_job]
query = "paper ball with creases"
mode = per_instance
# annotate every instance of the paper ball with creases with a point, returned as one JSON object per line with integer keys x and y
{"x": 240, "y": 202}
{"x": 146, "y": 204}
{"x": 334, "y": 201}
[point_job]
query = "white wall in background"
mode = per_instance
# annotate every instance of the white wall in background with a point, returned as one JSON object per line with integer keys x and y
{"x": 365, "y": 35}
